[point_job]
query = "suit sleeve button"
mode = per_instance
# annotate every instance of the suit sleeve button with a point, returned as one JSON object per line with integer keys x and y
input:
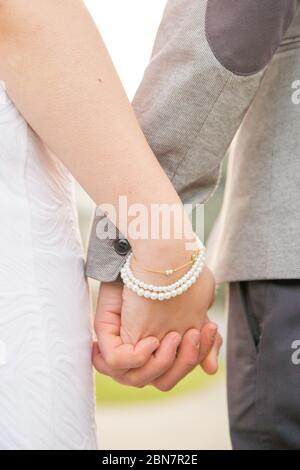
{"x": 122, "y": 246}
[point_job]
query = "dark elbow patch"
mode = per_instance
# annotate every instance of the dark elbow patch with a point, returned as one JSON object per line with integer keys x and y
{"x": 244, "y": 34}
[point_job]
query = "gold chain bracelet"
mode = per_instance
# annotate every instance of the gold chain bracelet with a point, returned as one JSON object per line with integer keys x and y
{"x": 170, "y": 271}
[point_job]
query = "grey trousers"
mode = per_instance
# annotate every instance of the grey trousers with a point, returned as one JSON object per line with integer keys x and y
{"x": 264, "y": 365}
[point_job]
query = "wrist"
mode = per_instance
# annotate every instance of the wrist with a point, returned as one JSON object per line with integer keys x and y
{"x": 145, "y": 287}
{"x": 164, "y": 252}
{"x": 151, "y": 261}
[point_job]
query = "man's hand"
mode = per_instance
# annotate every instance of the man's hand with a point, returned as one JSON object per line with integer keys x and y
{"x": 162, "y": 363}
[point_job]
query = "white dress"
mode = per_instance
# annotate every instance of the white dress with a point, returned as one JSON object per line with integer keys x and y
{"x": 46, "y": 380}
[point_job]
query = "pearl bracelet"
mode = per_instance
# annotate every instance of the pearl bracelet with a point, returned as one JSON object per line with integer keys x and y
{"x": 153, "y": 292}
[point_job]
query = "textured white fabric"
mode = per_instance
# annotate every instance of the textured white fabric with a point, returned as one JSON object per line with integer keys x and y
{"x": 46, "y": 381}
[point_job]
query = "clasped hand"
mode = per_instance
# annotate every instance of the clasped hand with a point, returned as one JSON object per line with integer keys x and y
{"x": 142, "y": 342}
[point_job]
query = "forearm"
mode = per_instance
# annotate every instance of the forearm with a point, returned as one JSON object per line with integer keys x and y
{"x": 63, "y": 82}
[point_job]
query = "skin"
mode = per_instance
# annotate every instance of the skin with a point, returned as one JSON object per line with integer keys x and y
{"x": 64, "y": 83}
{"x": 171, "y": 361}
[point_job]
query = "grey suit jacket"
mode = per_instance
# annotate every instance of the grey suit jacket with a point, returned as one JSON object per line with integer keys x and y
{"x": 218, "y": 67}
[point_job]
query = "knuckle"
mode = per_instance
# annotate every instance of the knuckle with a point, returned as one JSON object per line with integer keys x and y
{"x": 139, "y": 360}
{"x": 162, "y": 364}
{"x": 140, "y": 386}
{"x": 166, "y": 362}
{"x": 131, "y": 378}
{"x": 135, "y": 382}
{"x": 164, "y": 387}
{"x": 192, "y": 360}
{"x": 112, "y": 361}
{"x": 98, "y": 367}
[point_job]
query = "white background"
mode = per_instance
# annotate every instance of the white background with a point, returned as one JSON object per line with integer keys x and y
{"x": 128, "y": 28}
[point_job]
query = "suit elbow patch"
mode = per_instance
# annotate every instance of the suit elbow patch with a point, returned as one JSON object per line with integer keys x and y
{"x": 244, "y": 35}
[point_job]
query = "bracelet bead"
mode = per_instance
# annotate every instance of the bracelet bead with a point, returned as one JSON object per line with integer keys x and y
{"x": 153, "y": 292}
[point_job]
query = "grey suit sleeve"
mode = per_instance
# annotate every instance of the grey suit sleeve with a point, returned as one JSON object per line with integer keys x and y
{"x": 207, "y": 63}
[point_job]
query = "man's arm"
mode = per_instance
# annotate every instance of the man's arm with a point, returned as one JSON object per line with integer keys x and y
{"x": 207, "y": 63}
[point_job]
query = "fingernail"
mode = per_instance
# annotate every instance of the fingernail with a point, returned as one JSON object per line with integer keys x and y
{"x": 215, "y": 365}
{"x": 195, "y": 337}
{"x": 175, "y": 339}
{"x": 155, "y": 343}
{"x": 213, "y": 334}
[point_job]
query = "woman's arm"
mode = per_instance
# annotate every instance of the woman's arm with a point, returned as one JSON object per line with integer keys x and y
{"x": 61, "y": 78}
